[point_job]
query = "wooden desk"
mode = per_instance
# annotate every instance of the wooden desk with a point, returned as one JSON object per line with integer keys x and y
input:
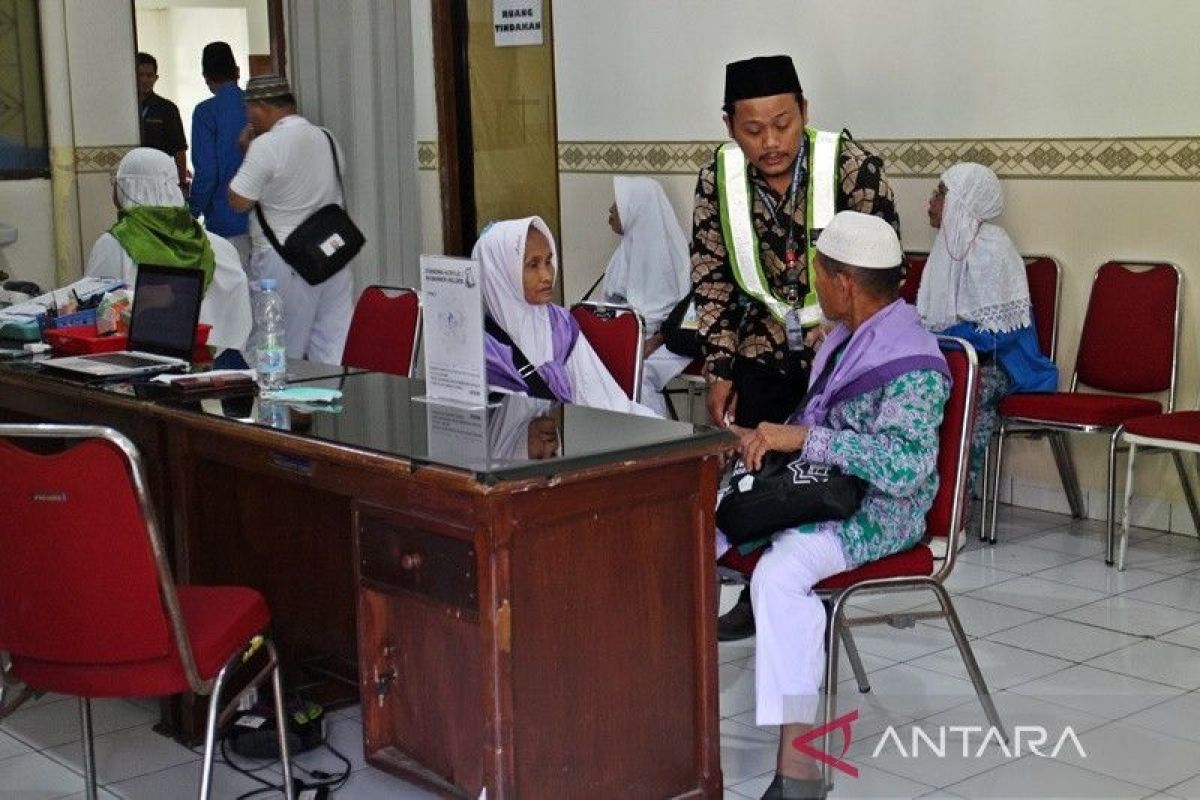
{"x": 538, "y": 629}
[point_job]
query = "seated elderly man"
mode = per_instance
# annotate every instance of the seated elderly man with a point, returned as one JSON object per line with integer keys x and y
{"x": 154, "y": 226}
{"x": 875, "y": 401}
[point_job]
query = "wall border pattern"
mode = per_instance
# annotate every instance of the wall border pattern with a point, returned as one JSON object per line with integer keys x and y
{"x": 1149, "y": 158}
{"x": 104, "y": 158}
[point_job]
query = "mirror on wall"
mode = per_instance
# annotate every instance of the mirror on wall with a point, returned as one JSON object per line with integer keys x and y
{"x": 175, "y": 32}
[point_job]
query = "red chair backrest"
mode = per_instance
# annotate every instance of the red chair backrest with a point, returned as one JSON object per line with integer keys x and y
{"x": 615, "y": 333}
{"x": 383, "y": 330}
{"x": 1042, "y": 274}
{"x": 78, "y": 578}
{"x": 912, "y": 277}
{"x": 1128, "y": 338}
{"x": 954, "y": 440}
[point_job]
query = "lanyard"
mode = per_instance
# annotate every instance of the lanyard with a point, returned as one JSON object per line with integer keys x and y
{"x": 790, "y": 242}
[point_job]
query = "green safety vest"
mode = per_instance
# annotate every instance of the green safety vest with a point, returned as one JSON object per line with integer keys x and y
{"x": 737, "y": 224}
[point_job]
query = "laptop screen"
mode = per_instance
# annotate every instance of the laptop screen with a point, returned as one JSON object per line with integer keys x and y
{"x": 166, "y": 307}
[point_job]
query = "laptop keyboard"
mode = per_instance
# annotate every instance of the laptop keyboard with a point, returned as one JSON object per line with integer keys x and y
{"x": 125, "y": 360}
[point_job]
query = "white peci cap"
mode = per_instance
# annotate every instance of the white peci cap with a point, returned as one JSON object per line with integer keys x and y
{"x": 861, "y": 240}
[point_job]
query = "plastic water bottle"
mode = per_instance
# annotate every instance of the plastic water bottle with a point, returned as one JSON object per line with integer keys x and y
{"x": 270, "y": 357}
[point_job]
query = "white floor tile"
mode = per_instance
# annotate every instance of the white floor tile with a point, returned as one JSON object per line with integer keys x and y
{"x": 1064, "y": 639}
{"x": 747, "y": 751}
{"x": 1135, "y": 755}
{"x": 910, "y": 692}
{"x": 733, "y": 652}
{"x": 1188, "y": 790}
{"x": 902, "y": 645}
{"x": 372, "y": 784}
{"x": 51, "y": 724}
{"x": 982, "y": 617}
{"x": 737, "y": 689}
{"x": 1132, "y": 616}
{"x": 1017, "y": 558}
{"x": 1045, "y": 778}
{"x": 1181, "y": 592}
{"x": 968, "y": 577}
{"x": 126, "y": 754}
{"x": 873, "y": 783}
{"x": 1163, "y": 662}
{"x": 1175, "y": 717}
{"x": 10, "y": 747}
{"x": 1171, "y": 554}
{"x": 1093, "y": 573}
{"x": 32, "y": 776}
{"x": 1189, "y": 636}
{"x": 183, "y": 780}
{"x": 1097, "y": 692}
{"x": 1067, "y": 540}
{"x": 1002, "y": 666}
{"x": 1037, "y": 595}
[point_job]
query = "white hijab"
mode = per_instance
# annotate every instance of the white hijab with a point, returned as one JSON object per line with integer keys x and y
{"x": 147, "y": 177}
{"x": 974, "y": 273}
{"x": 500, "y": 252}
{"x": 650, "y": 269}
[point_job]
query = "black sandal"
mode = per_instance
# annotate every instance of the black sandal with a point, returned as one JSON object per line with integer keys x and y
{"x": 785, "y": 788}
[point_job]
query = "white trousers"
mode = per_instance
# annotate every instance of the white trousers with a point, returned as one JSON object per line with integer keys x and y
{"x": 657, "y": 371}
{"x": 316, "y": 318}
{"x": 241, "y": 243}
{"x": 789, "y": 655}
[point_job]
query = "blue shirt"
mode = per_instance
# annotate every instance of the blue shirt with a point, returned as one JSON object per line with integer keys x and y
{"x": 216, "y": 124}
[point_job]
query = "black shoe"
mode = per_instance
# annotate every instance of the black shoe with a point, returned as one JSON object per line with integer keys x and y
{"x": 738, "y": 622}
{"x": 783, "y": 788}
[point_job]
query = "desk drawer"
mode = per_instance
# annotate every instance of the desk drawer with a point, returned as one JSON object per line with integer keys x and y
{"x": 438, "y": 567}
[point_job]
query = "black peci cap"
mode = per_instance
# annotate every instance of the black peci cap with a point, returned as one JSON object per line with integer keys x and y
{"x": 762, "y": 76}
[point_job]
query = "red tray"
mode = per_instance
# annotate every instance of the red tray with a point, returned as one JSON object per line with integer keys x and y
{"x": 83, "y": 340}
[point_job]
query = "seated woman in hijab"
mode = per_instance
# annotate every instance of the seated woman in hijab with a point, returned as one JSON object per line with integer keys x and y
{"x": 974, "y": 287}
{"x": 876, "y": 396}
{"x": 533, "y": 346}
{"x": 651, "y": 271}
{"x": 154, "y": 226}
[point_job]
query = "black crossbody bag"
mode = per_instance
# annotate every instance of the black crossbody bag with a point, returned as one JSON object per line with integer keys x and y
{"x": 536, "y": 383}
{"x": 322, "y": 245}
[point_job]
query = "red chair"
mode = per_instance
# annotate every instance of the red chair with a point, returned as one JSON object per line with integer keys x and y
{"x": 912, "y": 276}
{"x": 87, "y": 603}
{"x": 1129, "y": 345}
{"x": 383, "y": 331}
{"x": 1176, "y": 433}
{"x": 919, "y": 568}
{"x": 1044, "y": 275}
{"x": 615, "y": 333}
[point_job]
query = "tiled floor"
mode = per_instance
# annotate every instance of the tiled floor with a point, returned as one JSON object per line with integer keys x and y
{"x": 1062, "y": 639}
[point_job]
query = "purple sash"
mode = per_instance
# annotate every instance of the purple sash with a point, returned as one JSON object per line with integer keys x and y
{"x": 886, "y": 346}
{"x": 503, "y": 373}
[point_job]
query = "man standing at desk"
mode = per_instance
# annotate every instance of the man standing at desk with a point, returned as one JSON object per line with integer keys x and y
{"x": 760, "y": 206}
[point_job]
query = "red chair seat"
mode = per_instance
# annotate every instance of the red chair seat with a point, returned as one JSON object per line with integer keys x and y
{"x": 1106, "y": 410}
{"x": 219, "y": 620}
{"x": 917, "y": 561}
{"x": 1182, "y": 426}
{"x": 735, "y": 560}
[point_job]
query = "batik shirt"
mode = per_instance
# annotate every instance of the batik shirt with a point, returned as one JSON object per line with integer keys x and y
{"x": 732, "y": 324}
{"x": 889, "y": 438}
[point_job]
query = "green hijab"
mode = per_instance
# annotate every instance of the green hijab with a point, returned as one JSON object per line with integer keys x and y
{"x": 164, "y": 235}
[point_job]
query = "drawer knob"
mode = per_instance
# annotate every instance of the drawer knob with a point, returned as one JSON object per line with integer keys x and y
{"x": 410, "y": 561}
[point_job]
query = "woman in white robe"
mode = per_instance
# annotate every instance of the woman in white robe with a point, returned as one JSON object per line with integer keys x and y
{"x": 147, "y": 180}
{"x": 519, "y": 264}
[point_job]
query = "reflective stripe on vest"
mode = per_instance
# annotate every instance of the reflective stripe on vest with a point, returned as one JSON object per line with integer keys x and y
{"x": 737, "y": 224}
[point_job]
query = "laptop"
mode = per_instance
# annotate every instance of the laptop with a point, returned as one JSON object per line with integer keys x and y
{"x": 162, "y": 328}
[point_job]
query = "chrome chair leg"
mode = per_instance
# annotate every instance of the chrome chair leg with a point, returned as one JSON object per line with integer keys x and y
{"x": 998, "y": 467}
{"x": 985, "y": 479}
{"x": 833, "y": 636}
{"x": 285, "y": 755}
{"x": 1188, "y": 492}
{"x": 968, "y": 657}
{"x": 210, "y": 729}
{"x": 1110, "y": 549}
{"x": 860, "y": 673}
{"x": 1123, "y": 547}
{"x": 1067, "y": 474}
{"x": 89, "y": 749}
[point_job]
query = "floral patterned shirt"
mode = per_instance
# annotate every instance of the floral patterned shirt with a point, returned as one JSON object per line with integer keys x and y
{"x": 889, "y": 438}
{"x": 731, "y": 324}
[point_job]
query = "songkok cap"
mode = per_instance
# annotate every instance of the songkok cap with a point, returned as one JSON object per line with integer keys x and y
{"x": 762, "y": 76}
{"x": 861, "y": 240}
{"x": 266, "y": 87}
{"x": 217, "y": 59}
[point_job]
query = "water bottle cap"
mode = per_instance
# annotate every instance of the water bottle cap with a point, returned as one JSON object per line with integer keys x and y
{"x": 266, "y": 284}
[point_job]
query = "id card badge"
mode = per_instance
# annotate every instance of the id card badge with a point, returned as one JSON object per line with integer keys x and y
{"x": 794, "y": 329}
